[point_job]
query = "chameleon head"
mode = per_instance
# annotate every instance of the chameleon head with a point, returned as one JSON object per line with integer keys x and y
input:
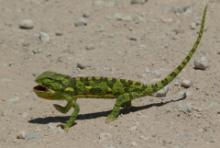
{"x": 51, "y": 85}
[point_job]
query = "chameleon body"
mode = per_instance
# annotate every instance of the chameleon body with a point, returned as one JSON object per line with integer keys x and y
{"x": 56, "y": 86}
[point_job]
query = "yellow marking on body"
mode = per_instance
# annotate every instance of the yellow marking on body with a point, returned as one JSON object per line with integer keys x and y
{"x": 69, "y": 89}
{"x": 88, "y": 87}
{"x": 95, "y": 96}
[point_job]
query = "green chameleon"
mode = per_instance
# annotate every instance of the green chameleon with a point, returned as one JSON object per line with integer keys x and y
{"x": 56, "y": 86}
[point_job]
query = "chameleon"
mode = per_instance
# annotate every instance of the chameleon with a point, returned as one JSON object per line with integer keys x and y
{"x": 56, "y": 86}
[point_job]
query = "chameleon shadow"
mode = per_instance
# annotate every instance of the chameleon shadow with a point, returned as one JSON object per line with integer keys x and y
{"x": 87, "y": 116}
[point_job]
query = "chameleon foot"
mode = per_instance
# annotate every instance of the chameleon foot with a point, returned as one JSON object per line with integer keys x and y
{"x": 65, "y": 127}
{"x": 110, "y": 118}
{"x": 59, "y": 108}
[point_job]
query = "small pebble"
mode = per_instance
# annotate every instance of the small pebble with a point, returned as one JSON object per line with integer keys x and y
{"x": 176, "y": 83}
{"x": 109, "y": 146}
{"x": 21, "y": 135}
{"x": 162, "y": 93}
{"x": 44, "y": 37}
{"x": 134, "y": 144}
{"x": 37, "y": 51}
{"x": 186, "y": 83}
{"x": 89, "y": 47}
{"x": 182, "y": 94}
{"x": 104, "y": 136}
{"x": 58, "y": 33}
{"x": 85, "y": 15}
{"x": 167, "y": 20}
{"x": 193, "y": 25}
{"x": 32, "y": 135}
{"x": 132, "y": 38}
{"x": 81, "y": 66}
{"x": 105, "y": 3}
{"x": 144, "y": 137}
{"x": 28, "y": 136}
{"x": 182, "y": 10}
{"x": 138, "y": 2}
{"x": 81, "y": 22}
{"x": 122, "y": 17}
{"x": 26, "y": 24}
{"x": 201, "y": 63}
{"x": 185, "y": 108}
{"x": 25, "y": 115}
{"x": 133, "y": 128}
{"x": 25, "y": 44}
{"x": 14, "y": 99}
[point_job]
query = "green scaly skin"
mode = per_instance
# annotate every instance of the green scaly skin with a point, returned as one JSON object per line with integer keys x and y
{"x": 55, "y": 86}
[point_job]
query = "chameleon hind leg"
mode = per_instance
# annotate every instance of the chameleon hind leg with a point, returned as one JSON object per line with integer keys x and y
{"x": 64, "y": 109}
{"x": 120, "y": 100}
{"x": 127, "y": 105}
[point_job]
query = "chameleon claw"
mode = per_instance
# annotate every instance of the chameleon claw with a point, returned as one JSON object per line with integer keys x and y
{"x": 60, "y": 125}
{"x": 64, "y": 127}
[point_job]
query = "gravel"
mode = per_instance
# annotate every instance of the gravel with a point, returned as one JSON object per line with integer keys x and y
{"x": 138, "y": 2}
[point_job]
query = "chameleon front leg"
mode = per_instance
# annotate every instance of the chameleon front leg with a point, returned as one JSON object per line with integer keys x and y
{"x": 120, "y": 100}
{"x": 71, "y": 102}
{"x": 63, "y": 109}
{"x": 71, "y": 121}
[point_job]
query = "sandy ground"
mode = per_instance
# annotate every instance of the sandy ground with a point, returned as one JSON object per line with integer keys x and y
{"x": 109, "y": 38}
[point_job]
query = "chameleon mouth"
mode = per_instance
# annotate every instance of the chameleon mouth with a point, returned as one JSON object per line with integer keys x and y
{"x": 40, "y": 88}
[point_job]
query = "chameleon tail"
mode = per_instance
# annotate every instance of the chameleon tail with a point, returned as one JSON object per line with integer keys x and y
{"x": 152, "y": 88}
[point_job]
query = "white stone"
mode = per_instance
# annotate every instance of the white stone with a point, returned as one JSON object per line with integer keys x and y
{"x": 162, "y": 93}
{"x": 26, "y": 24}
{"x": 44, "y": 37}
{"x": 201, "y": 63}
{"x": 186, "y": 83}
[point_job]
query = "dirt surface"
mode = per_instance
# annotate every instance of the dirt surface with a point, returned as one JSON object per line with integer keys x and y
{"x": 113, "y": 38}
